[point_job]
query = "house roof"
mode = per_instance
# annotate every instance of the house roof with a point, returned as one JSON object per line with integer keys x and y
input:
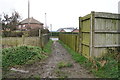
{"x": 77, "y": 30}
{"x": 31, "y": 21}
{"x": 65, "y": 29}
{"x": 68, "y": 30}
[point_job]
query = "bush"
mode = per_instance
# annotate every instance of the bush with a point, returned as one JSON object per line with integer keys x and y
{"x": 16, "y": 34}
{"x": 6, "y": 33}
{"x": 11, "y": 34}
{"x": 24, "y": 55}
{"x": 20, "y": 55}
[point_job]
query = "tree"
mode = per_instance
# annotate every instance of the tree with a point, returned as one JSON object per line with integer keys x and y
{"x": 10, "y": 22}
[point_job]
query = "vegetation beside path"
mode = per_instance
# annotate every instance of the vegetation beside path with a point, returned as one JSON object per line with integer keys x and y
{"x": 105, "y": 67}
{"x": 24, "y": 55}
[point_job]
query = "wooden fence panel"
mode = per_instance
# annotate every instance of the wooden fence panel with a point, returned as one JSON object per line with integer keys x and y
{"x": 70, "y": 40}
{"x": 99, "y": 31}
{"x": 18, "y": 41}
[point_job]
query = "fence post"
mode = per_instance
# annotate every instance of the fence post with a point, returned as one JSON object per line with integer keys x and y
{"x": 40, "y": 36}
{"x": 23, "y": 39}
{"x": 80, "y": 36}
{"x": 91, "y": 34}
{"x": 16, "y": 42}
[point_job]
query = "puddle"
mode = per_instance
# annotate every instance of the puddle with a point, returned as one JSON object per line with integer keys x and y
{"x": 54, "y": 39}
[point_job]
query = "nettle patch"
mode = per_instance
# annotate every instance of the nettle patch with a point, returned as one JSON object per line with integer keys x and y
{"x": 20, "y": 55}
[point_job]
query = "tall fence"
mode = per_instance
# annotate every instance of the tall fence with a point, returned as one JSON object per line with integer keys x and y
{"x": 70, "y": 40}
{"x": 32, "y": 41}
{"x": 99, "y": 32}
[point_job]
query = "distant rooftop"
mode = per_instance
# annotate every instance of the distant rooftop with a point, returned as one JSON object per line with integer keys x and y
{"x": 31, "y": 21}
{"x": 69, "y": 29}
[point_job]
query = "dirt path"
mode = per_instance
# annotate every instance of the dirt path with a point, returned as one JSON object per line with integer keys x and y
{"x": 50, "y": 68}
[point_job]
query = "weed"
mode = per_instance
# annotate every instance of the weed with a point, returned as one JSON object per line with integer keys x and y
{"x": 64, "y": 64}
{"x": 47, "y": 47}
{"x": 37, "y": 77}
{"x": 105, "y": 67}
{"x": 23, "y": 55}
{"x": 61, "y": 74}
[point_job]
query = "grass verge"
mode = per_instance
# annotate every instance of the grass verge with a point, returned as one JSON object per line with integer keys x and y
{"x": 47, "y": 47}
{"x": 105, "y": 67}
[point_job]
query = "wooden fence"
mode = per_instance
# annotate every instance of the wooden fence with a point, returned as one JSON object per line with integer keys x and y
{"x": 17, "y": 41}
{"x": 70, "y": 40}
{"x": 99, "y": 32}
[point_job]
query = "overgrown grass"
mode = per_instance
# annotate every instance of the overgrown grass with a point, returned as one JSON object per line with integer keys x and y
{"x": 47, "y": 47}
{"x": 24, "y": 55}
{"x": 78, "y": 57}
{"x": 105, "y": 67}
{"x": 64, "y": 64}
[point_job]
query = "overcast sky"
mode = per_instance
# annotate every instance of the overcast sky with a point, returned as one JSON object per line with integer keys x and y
{"x": 60, "y": 13}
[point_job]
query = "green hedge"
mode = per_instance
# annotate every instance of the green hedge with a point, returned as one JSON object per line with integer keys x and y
{"x": 57, "y": 33}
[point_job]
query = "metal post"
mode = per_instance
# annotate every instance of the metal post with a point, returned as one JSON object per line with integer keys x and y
{"x": 45, "y": 21}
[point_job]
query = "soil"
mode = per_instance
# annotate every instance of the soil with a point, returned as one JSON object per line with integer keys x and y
{"x": 49, "y": 68}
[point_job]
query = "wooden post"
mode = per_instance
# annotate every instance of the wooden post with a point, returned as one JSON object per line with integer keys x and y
{"x": 23, "y": 39}
{"x": 91, "y": 34}
{"x": 80, "y": 35}
{"x": 40, "y": 36}
{"x": 16, "y": 42}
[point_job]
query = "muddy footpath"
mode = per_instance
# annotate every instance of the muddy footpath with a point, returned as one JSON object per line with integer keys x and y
{"x": 58, "y": 65}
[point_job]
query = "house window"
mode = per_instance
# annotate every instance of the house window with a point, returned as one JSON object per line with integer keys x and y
{"x": 23, "y": 26}
{"x": 19, "y": 26}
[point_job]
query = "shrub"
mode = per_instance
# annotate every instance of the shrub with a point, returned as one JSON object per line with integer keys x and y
{"x": 20, "y": 55}
{"x": 16, "y": 34}
{"x": 11, "y": 34}
{"x": 6, "y": 33}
